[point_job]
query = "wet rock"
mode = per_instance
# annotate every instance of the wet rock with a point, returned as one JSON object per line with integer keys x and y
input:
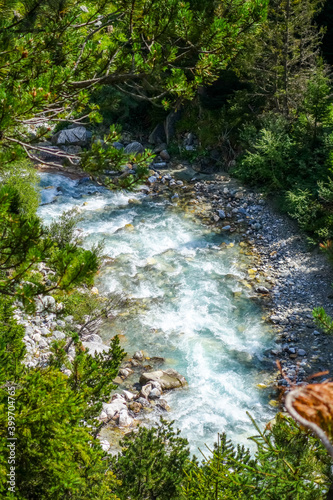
{"x": 262, "y": 289}
{"x": 221, "y": 214}
{"x": 118, "y": 145}
{"x": 152, "y": 179}
{"x": 226, "y": 228}
{"x": 301, "y": 352}
{"x": 155, "y": 393}
{"x": 168, "y": 379}
{"x": 138, "y": 355}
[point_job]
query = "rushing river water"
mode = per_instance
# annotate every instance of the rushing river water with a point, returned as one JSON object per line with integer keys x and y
{"x": 194, "y": 308}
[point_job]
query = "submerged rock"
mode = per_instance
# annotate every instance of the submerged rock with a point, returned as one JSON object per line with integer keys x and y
{"x": 168, "y": 379}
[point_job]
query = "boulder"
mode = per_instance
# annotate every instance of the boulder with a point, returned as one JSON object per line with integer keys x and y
{"x": 78, "y": 136}
{"x": 164, "y": 155}
{"x": 129, "y": 396}
{"x": 155, "y": 394}
{"x": 168, "y": 379}
{"x": 111, "y": 409}
{"x": 94, "y": 338}
{"x": 134, "y": 148}
{"x": 124, "y": 419}
{"x": 145, "y": 391}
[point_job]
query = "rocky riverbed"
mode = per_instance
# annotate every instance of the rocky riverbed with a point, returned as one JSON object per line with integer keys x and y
{"x": 287, "y": 278}
{"x": 282, "y": 276}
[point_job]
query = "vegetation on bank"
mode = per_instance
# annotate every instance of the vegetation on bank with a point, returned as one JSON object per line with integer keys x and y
{"x": 62, "y": 61}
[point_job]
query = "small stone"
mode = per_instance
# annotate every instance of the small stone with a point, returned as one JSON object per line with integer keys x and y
{"x": 152, "y": 179}
{"x": 301, "y": 352}
{"x": 226, "y": 228}
{"x": 262, "y": 289}
{"x": 221, "y": 214}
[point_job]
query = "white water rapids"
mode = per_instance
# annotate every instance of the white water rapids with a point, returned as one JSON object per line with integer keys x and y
{"x": 195, "y": 310}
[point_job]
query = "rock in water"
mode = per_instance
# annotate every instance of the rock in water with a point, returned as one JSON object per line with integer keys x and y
{"x": 134, "y": 148}
{"x": 168, "y": 379}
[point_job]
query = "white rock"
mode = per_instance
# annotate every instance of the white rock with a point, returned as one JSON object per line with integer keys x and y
{"x": 138, "y": 355}
{"x": 95, "y": 348}
{"x": 105, "y": 444}
{"x": 124, "y": 419}
{"x": 129, "y": 396}
{"x": 114, "y": 407}
{"x": 58, "y": 335}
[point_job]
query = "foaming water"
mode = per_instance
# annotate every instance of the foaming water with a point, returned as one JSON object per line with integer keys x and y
{"x": 192, "y": 307}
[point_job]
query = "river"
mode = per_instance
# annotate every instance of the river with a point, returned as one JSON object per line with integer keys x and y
{"x": 194, "y": 306}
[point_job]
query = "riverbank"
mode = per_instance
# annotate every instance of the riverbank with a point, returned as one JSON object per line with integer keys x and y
{"x": 287, "y": 278}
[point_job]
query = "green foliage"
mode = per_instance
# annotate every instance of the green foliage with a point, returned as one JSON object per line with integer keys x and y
{"x": 103, "y": 157}
{"x": 54, "y": 53}
{"x": 25, "y": 243}
{"x": 288, "y": 464}
{"x": 90, "y": 376}
{"x": 24, "y": 178}
{"x": 152, "y": 464}
{"x": 56, "y": 456}
{"x": 323, "y": 320}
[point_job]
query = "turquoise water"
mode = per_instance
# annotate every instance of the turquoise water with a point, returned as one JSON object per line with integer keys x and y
{"x": 193, "y": 308}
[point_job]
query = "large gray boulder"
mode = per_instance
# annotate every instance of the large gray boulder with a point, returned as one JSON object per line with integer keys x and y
{"x": 168, "y": 379}
{"x": 134, "y": 148}
{"x": 78, "y": 136}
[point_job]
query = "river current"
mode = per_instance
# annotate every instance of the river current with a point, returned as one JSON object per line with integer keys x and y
{"x": 195, "y": 309}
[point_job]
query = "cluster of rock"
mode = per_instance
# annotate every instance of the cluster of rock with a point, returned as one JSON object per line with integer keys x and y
{"x": 124, "y": 409}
